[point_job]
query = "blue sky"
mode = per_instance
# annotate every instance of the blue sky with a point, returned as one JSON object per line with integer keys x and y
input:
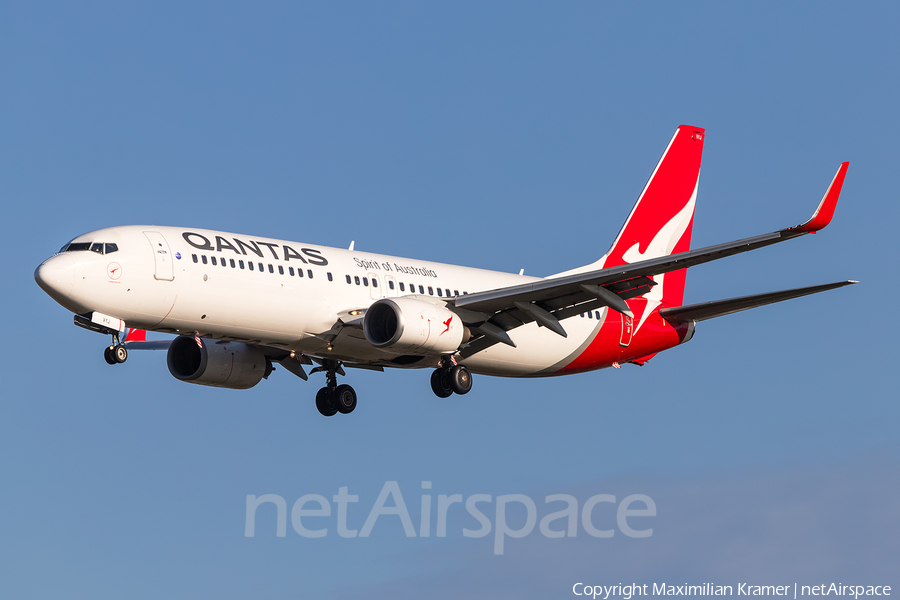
{"x": 502, "y": 136}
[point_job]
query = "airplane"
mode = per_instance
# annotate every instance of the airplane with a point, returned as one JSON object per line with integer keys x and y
{"x": 239, "y": 304}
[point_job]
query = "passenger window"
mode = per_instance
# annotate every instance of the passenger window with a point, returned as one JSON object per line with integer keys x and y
{"x": 330, "y": 278}
{"x": 97, "y": 247}
{"x": 366, "y": 281}
{"x": 110, "y": 248}
{"x": 597, "y": 312}
{"x": 590, "y": 315}
{"x": 261, "y": 268}
{"x": 299, "y": 272}
{"x": 356, "y": 279}
{"x": 280, "y": 270}
{"x": 448, "y": 292}
{"x": 430, "y": 291}
{"x": 194, "y": 257}
{"x": 421, "y": 289}
{"x": 240, "y": 262}
{"x": 391, "y": 284}
{"x": 232, "y": 263}
{"x": 213, "y": 259}
{"x": 271, "y": 270}
{"x": 349, "y": 280}
{"x": 291, "y": 271}
{"x": 203, "y": 258}
{"x": 456, "y": 292}
{"x": 440, "y": 293}
{"x": 223, "y": 261}
{"x": 374, "y": 282}
{"x": 402, "y": 287}
{"x": 250, "y": 265}
{"x": 309, "y": 273}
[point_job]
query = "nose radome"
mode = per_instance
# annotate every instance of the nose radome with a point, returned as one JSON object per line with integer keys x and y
{"x": 56, "y": 276}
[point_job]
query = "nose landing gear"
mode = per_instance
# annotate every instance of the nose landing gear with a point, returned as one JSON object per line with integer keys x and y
{"x": 451, "y": 378}
{"x": 334, "y": 398}
{"x": 116, "y": 353}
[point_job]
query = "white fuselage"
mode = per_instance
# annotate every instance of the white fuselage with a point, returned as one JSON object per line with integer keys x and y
{"x": 250, "y": 289}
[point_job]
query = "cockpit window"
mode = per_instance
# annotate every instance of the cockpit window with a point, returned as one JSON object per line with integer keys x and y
{"x": 98, "y": 247}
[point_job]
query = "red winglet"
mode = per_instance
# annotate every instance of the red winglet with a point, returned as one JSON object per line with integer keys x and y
{"x": 823, "y": 214}
{"x": 136, "y": 335}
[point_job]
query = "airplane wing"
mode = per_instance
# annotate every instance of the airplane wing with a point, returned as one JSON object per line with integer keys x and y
{"x": 137, "y": 340}
{"x": 494, "y": 312}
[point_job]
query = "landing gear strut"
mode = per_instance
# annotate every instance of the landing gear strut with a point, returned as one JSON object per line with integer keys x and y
{"x": 334, "y": 398}
{"x": 116, "y": 353}
{"x": 451, "y": 378}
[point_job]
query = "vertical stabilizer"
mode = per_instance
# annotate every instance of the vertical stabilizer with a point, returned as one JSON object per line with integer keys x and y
{"x": 660, "y": 222}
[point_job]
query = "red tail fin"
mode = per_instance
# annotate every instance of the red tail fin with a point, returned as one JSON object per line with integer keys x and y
{"x": 660, "y": 222}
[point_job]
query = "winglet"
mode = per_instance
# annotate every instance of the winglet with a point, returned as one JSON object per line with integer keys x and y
{"x": 823, "y": 214}
{"x": 136, "y": 335}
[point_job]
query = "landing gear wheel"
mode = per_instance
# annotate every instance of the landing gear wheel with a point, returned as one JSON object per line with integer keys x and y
{"x": 120, "y": 353}
{"x": 324, "y": 404}
{"x": 439, "y": 384}
{"x": 108, "y": 356}
{"x": 344, "y": 399}
{"x": 460, "y": 379}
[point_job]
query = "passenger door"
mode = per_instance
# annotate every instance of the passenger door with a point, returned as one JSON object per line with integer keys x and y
{"x": 165, "y": 270}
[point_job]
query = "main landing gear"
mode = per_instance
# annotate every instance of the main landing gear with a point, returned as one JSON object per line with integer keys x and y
{"x": 116, "y": 353}
{"x": 451, "y": 378}
{"x": 334, "y": 398}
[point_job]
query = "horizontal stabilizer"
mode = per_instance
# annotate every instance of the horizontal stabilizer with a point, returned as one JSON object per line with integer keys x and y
{"x": 718, "y": 308}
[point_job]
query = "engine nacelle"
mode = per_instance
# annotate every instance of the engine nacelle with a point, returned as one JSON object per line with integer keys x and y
{"x": 411, "y": 326}
{"x": 218, "y": 364}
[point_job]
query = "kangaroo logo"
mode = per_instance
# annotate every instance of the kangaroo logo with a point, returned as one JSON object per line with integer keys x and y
{"x": 446, "y": 326}
{"x": 114, "y": 270}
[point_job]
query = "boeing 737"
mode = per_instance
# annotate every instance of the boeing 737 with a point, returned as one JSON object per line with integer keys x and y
{"x": 239, "y": 304}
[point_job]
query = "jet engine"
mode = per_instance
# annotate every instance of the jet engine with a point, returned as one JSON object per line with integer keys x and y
{"x": 412, "y": 326}
{"x": 219, "y": 364}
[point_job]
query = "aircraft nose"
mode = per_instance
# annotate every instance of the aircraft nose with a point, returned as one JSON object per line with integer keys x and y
{"x": 56, "y": 276}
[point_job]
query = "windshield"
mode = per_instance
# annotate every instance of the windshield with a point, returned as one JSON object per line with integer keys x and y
{"x": 98, "y": 247}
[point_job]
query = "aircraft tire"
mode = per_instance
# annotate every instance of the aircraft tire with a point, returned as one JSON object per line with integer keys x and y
{"x": 120, "y": 353}
{"x": 323, "y": 403}
{"x": 460, "y": 379}
{"x": 344, "y": 399}
{"x": 108, "y": 356}
{"x": 439, "y": 384}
